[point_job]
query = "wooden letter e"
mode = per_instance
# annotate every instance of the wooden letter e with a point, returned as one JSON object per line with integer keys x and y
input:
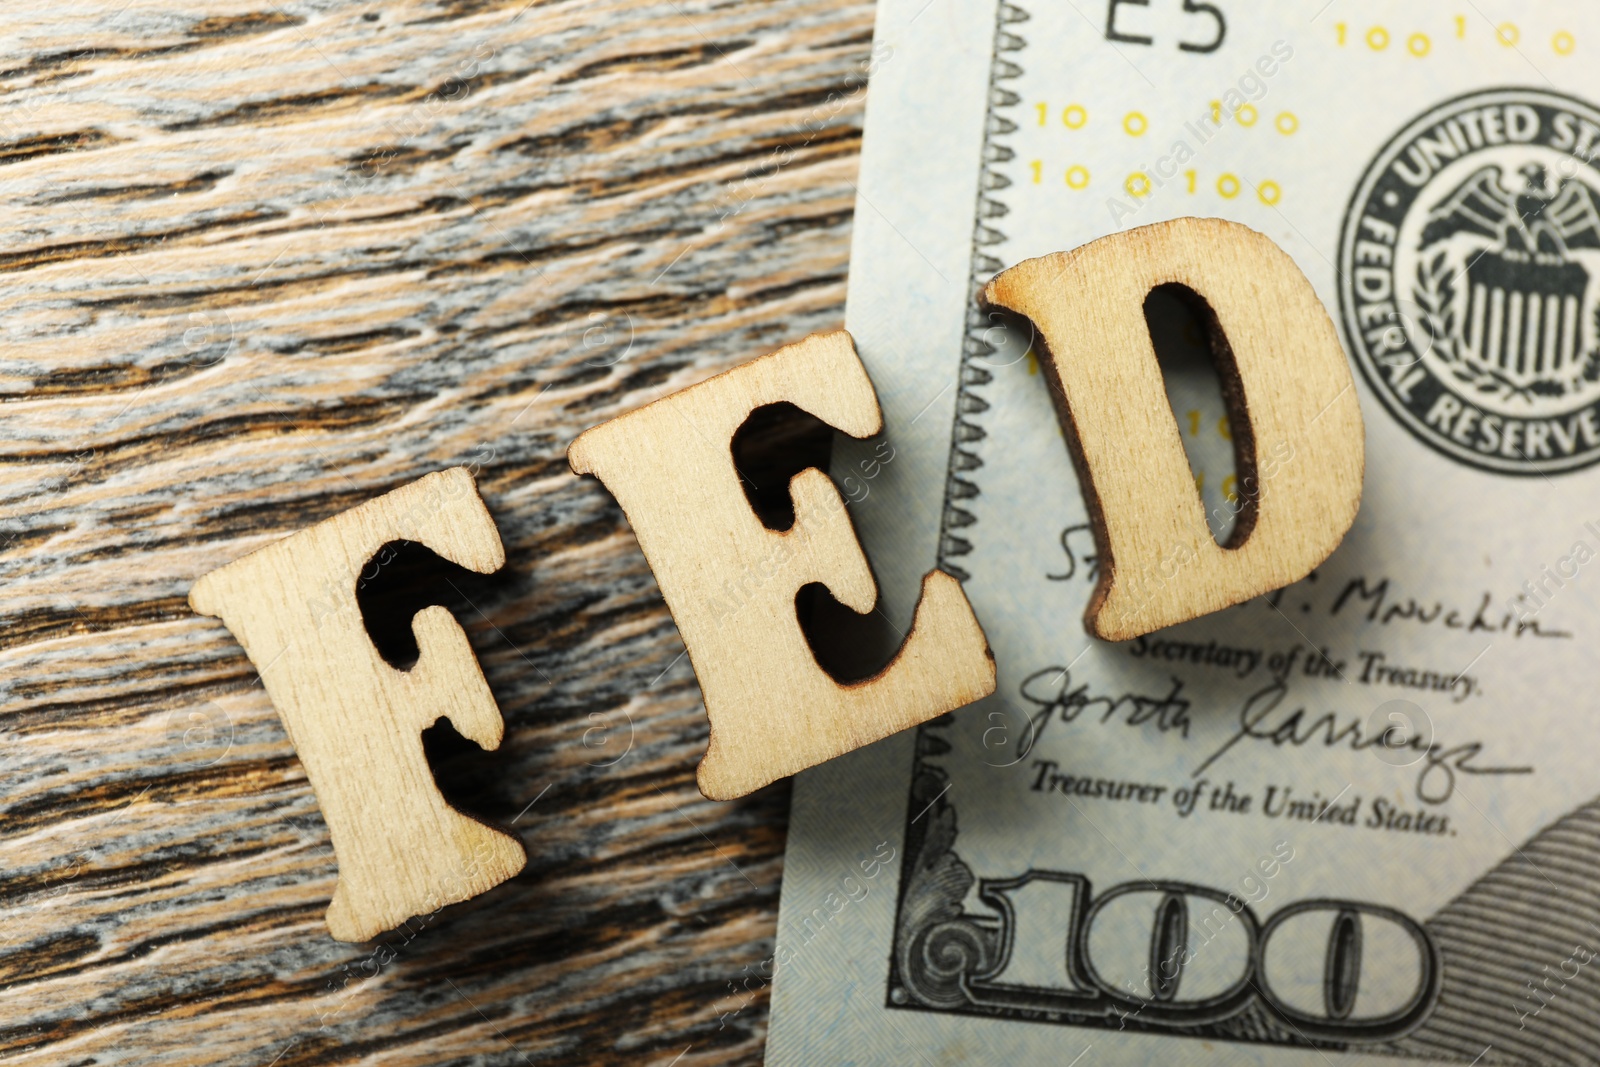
{"x": 773, "y": 710}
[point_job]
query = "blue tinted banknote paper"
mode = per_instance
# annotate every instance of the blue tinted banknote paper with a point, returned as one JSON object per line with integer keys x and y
{"x": 1356, "y": 820}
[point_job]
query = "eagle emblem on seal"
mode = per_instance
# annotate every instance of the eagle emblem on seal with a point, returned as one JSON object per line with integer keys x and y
{"x": 1506, "y": 301}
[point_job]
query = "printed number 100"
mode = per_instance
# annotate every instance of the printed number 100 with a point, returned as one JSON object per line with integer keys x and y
{"x": 1176, "y": 954}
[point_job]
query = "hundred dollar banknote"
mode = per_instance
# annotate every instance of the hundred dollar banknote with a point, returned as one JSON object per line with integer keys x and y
{"x": 1353, "y": 821}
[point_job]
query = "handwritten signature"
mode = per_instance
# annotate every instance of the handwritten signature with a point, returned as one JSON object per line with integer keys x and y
{"x": 1262, "y": 718}
{"x": 1051, "y": 691}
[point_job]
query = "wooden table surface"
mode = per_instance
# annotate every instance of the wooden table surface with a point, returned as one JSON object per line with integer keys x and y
{"x": 266, "y": 261}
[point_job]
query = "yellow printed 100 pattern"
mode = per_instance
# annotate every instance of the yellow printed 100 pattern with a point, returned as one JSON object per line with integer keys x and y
{"x": 1088, "y": 163}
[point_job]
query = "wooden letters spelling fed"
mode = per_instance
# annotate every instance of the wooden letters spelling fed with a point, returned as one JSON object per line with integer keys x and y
{"x": 356, "y": 722}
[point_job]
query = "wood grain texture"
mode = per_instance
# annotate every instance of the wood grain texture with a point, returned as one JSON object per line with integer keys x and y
{"x": 1299, "y": 448}
{"x": 266, "y": 262}
{"x": 732, "y": 580}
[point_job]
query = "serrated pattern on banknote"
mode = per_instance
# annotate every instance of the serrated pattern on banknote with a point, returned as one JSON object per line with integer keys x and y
{"x": 967, "y": 432}
{"x": 1521, "y": 947}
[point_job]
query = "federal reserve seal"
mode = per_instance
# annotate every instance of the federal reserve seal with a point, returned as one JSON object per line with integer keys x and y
{"x": 1470, "y": 280}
